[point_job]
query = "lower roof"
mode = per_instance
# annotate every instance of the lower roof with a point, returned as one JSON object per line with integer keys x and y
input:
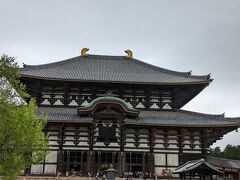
{"x": 180, "y": 118}
{"x": 224, "y": 163}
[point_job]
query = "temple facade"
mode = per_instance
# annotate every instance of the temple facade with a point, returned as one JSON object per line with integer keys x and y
{"x": 118, "y": 110}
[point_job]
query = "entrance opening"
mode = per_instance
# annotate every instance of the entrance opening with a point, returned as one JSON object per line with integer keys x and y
{"x": 136, "y": 168}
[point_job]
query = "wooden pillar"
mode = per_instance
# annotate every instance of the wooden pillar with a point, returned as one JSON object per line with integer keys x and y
{"x": 60, "y": 141}
{"x": 180, "y": 146}
{"x": 151, "y": 163}
{"x": 90, "y": 152}
{"x": 68, "y": 161}
{"x": 122, "y": 154}
{"x": 81, "y": 164}
{"x": 147, "y": 98}
{"x": 121, "y": 163}
{"x": 203, "y": 144}
{"x": 143, "y": 162}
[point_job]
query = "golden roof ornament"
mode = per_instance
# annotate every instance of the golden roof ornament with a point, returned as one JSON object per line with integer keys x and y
{"x": 129, "y": 53}
{"x": 84, "y": 52}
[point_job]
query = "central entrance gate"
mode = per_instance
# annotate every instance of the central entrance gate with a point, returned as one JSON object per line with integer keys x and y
{"x": 76, "y": 161}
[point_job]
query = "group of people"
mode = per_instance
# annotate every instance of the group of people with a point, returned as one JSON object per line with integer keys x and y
{"x": 139, "y": 174}
{"x": 101, "y": 175}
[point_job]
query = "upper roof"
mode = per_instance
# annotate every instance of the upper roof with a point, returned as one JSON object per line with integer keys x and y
{"x": 113, "y": 69}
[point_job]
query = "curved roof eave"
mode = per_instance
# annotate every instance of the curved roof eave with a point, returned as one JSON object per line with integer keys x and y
{"x": 207, "y": 82}
{"x": 120, "y": 60}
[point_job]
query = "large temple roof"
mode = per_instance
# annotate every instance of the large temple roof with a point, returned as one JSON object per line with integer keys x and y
{"x": 113, "y": 69}
{"x": 174, "y": 118}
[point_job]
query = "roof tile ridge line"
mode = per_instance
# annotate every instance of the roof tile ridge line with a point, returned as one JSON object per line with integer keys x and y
{"x": 188, "y": 162}
{"x": 172, "y": 72}
{"x": 52, "y": 64}
{"x": 108, "y": 57}
{"x": 197, "y": 163}
{"x": 198, "y": 113}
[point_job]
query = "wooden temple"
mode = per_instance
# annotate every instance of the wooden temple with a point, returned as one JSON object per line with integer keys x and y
{"x": 118, "y": 110}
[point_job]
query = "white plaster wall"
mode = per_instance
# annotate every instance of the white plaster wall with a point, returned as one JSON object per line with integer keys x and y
{"x": 53, "y": 143}
{"x": 143, "y": 140}
{"x": 158, "y": 146}
{"x": 69, "y": 133}
{"x": 137, "y": 150}
{"x": 45, "y": 102}
{"x": 83, "y": 138}
{"x": 50, "y": 169}
{"x": 172, "y": 159}
{"x": 192, "y": 152}
{"x": 58, "y": 103}
{"x": 130, "y": 140}
{"x": 70, "y": 143}
{"x": 83, "y": 144}
{"x": 129, "y": 145}
{"x": 106, "y": 149}
{"x": 172, "y": 141}
{"x": 173, "y": 146}
{"x": 37, "y": 169}
{"x": 158, "y": 141}
{"x": 143, "y": 146}
{"x": 160, "y": 159}
{"x": 51, "y": 157}
{"x": 69, "y": 138}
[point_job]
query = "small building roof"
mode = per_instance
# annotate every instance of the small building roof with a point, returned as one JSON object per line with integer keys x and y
{"x": 112, "y": 69}
{"x": 197, "y": 167}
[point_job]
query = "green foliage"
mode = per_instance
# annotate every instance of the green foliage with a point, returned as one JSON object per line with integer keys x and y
{"x": 230, "y": 152}
{"x": 11, "y": 89}
{"x": 22, "y": 141}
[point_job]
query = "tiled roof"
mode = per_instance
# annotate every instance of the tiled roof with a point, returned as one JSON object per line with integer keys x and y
{"x": 196, "y": 166}
{"x": 158, "y": 118}
{"x": 224, "y": 163}
{"x": 112, "y": 69}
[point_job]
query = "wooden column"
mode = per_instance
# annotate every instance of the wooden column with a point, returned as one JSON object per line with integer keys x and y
{"x": 122, "y": 154}
{"x": 81, "y": 164}
{"x": 151, "y": 163}
{"x": 60, "y": 141}
{"x": 90, "y": 152}
{"x": 203, "y": 143}
{"x": 180, "y": 146}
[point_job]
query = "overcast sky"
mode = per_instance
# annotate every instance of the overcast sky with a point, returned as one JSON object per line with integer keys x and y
{"x": 183, "y": 35}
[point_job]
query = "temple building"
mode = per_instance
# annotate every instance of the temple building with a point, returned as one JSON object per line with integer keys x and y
{"x": 118, "y": 110}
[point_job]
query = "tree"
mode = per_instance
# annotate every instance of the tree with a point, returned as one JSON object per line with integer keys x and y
{"x": 216, "y": 152}
{"x": 230, "y": 152}
{"x": 22, "y": 140}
